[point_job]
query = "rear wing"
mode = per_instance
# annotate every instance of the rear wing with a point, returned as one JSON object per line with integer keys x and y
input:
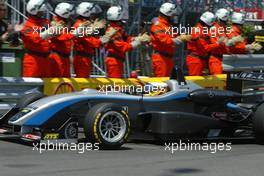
{"x": 245, "y": 73}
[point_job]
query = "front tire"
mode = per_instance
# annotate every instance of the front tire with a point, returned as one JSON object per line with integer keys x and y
{"x": 107, "y": 124}
{"x": 258, "y": 123}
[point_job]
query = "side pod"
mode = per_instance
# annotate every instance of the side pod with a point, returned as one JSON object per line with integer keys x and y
{"x": 178, "y": 124}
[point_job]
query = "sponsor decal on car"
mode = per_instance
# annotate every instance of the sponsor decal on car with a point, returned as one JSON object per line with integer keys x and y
{"x": 51, "y": 136}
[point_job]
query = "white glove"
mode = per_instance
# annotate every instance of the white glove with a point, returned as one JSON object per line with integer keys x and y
{"x": 177, "y": 41}
{"x": 136, "y": 39}
{"x": 58, "y": 27}
{"x": 90, "y": 28}
{"x": 221, "y": 40}
{"x": 238, "y": 39}
{"x": 249, "y": 47}
{"x": 57, "y": 24}
{"x": 234, "y": 41}
{"x": 87, "y": 23}
{"x": 143, "y": 38}
{"x": 257, "y": 46}
{"x": 48, "y": 33}
{"x": 4, "y": 37}
{"x": 230, "y": 42}
{"x": 81, "y": 29}
{"x": 135, "y": 43}
{"x": 98, "y": 24}
{"x": 54, "y": 30}
{"x": 253, "y": 47}
{"x": 108, "y": 35}
{"x": 111, "y": 32}
{"x": 104, "y": 39}
{"x": 184, "y": 37}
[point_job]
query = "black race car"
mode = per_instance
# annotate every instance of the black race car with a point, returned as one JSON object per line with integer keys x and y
{"x": 184, "y": 111}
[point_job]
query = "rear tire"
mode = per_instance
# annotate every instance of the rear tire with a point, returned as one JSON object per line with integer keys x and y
{"x": 258, "y": 124}
{"x": 107, "y": 124}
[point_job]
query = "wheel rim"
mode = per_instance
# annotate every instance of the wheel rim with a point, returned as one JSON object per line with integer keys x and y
{"x": 112, "y": 126}
{"x": 71, "y": 130}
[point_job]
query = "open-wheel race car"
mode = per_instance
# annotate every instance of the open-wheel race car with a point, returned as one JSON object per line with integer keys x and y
{"x": 184, "y": 111}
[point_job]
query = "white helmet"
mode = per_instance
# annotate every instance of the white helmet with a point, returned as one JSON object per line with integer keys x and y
{"x": 115, "y": 13}
{"x": 208, "y": 18}
{"x": 238, "y": 18}
{"x": 64, "y": 10}
{"x": 85, "y": 9}
{"x": 222, "y": 14}
{"x": 169, "y": 9}
{"x": 35, "y": 6}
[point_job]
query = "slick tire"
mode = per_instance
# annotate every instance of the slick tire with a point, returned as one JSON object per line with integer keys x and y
{"x": 258, "y": 124}
{"x": 108, "y": 125}
{"x": 28, "y": 99}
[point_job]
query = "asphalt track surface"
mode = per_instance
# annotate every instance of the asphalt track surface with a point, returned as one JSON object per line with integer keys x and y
{"x": 134, "y": 159}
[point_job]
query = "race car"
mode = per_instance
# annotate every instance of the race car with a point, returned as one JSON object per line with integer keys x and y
{"x": 183, "y": 111}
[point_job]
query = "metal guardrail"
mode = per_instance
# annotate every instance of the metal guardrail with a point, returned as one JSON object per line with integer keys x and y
{"x": 11, "y": 89}
{"x": 238, "y": 63}
{"x": 99, "y": 68}
{"x": 98, "y": 62}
